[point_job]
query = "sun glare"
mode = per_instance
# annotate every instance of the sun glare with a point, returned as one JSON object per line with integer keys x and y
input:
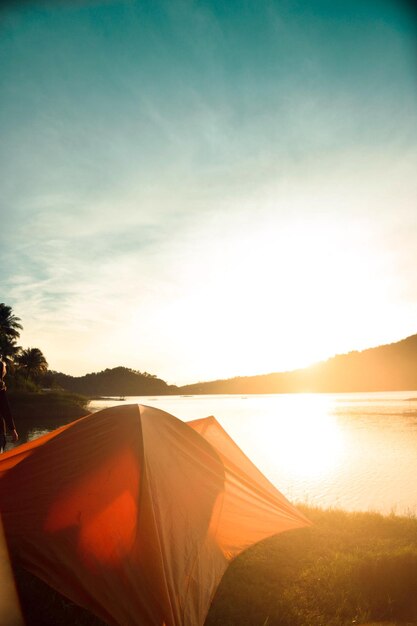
{"x": 303, "y": 442}
{"x": 285, "y": 298}
{"x": 263, "y": 300}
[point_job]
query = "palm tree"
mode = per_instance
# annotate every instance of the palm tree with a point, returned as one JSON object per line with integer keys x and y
{"x": 8, "y": 349}
{"x": 9, "y": 323}
{"x": 9, "y": 332}
{"x": 32, "y": 362}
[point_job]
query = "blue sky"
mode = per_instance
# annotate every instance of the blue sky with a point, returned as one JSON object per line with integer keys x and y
{"x": 208, "y": 189}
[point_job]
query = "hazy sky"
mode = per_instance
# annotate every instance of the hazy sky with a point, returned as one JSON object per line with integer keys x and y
{"x": 203, "y": 189}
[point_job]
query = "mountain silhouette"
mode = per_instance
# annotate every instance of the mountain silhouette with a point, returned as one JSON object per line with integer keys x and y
{"x": 391, "y": 367}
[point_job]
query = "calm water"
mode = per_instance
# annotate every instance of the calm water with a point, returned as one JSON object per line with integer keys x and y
{"x": 355, "y": 451}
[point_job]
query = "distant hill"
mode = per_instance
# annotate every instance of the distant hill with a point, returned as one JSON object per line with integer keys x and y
{"x": 391, "y": 367}
{"x": 118, "y": 381}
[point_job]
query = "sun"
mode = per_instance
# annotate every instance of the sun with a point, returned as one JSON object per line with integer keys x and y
{"x": 280, "y": 297}
{"x": 274, "y": 297}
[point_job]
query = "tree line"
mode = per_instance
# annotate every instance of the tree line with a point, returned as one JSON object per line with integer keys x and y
{"x": 27, "y": 367}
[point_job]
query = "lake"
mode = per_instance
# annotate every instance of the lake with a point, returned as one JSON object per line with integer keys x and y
{"x": 354, "y": 451}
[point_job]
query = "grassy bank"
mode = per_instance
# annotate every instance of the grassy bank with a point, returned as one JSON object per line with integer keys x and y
{"x": 35, "y": 412}
{"x": 46, "y": 406}
{"x": 348, "y": 568}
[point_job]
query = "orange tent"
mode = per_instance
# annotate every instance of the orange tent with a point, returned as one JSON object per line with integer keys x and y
{"x": 134, "y": 514}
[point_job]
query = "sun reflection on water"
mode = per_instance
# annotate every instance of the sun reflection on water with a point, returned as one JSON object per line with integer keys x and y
{"x": 304, "y": 441}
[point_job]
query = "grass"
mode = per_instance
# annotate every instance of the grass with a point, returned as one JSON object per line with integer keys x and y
{"x": 348, "y": 568}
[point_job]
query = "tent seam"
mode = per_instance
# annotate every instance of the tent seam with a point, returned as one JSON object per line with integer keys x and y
{"x": 158, "y": 536}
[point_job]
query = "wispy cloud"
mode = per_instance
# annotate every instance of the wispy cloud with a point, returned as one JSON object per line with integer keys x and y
{"x": 196, "y": 192}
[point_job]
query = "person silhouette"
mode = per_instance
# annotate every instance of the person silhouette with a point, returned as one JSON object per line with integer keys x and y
{"x": 6, "y": 419}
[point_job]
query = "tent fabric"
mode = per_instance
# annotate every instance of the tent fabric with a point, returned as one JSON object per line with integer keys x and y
{"x": 135, "y": 515}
